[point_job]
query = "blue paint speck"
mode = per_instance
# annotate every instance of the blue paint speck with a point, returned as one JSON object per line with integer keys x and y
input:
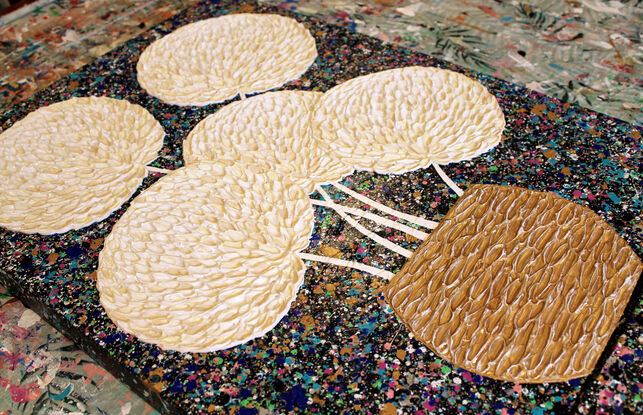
{"x": 295, "y": 397}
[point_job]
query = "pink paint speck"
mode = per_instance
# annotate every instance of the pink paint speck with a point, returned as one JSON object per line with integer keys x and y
{"x": 93, "y": 371}
{"x": 517, "y": 388}
{"x": 605, "y": 397}
{"x": 27, "y": 394}
{"x": 625, "y": 351}
{"x": 20, "y": 332}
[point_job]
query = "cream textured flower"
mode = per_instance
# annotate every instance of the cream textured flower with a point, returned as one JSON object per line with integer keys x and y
{"x": 400, "y": 120}
{"x": 215, "y": 59}
{"x": 206, "y": 258}
{"x": 270, "y": 131}
{"x": 73, "y": 163}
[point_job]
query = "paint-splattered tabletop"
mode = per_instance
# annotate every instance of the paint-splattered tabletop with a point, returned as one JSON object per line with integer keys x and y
{"x": 340, "y": 349}
{"x": 584, "y": 52}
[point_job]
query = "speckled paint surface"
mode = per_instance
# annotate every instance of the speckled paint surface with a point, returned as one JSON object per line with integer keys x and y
{"x": 42, "y": 372}
{"x": 340, "y": 349}
{"x": 41, "y": 47}
{"x": 586, "y": 52}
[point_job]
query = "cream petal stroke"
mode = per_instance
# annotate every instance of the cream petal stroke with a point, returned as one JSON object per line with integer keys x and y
{"x": 214, "y": 60}
{"x": 206, "y": 258}
{"x": 269, "y": 131}
{"x": 69, "y": 164}
{"x": 242, "y": 131}
{"x": 404, "y": 119}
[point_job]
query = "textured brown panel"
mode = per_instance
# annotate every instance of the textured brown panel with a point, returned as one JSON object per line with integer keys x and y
{"x": 517, "y": 285}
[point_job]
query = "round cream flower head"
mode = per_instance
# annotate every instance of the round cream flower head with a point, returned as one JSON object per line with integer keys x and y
{"x": 400, "y": 120}
{"x": 270, "y": 131}
{"x": 215, "y": 59}
{"x": 206, "y": 258}
{"x": 73, "y": 163}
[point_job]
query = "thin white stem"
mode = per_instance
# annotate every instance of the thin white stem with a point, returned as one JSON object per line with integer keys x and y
{"x": 382, "y": 241}
{"x": 242, "y": 95}
{"x": 409, "y": 218}
{"x": 447, "y": 180}
{"x": 375, "y": 218}
{"x": 158, "y": 170}
{"x": 378, "y": 272}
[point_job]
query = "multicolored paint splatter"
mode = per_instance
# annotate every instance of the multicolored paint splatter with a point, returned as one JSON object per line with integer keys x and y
{"x": 60, "y": 37}
{"x": 341, "y": 349}
{"x": 41, "y": 372}
{"x": 586, "y": 52}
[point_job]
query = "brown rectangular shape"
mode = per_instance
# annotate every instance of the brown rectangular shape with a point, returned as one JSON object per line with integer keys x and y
{"x": 517, "y": 285}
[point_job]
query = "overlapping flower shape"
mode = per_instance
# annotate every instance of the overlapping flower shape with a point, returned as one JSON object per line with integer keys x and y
{"x": 73, "y": 163}
{"x": 210, "y": 255}
{"x": 207, "y": 257}
{"x": 299, "y": 140}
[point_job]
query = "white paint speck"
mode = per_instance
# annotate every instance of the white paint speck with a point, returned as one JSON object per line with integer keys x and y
{"x": 28, "y": 319}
